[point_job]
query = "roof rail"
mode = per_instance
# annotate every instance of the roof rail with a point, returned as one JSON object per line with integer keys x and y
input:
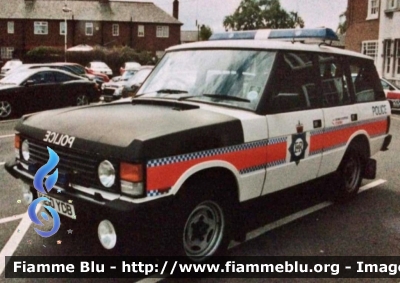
{"x": 320, "y": 34}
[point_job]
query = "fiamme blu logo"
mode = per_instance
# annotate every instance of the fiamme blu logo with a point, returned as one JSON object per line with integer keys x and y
{"x": 49, "y": 182}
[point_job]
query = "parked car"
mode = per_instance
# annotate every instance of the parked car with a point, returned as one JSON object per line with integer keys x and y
{"x": 99, "y": 67}
{"x": 392, "y": 93}
{"x": 73, "y": 68}
{"x": 125, "y": 87}
{"x": 128, "y": 66}
{"x": 101, "y": 76}
{"x": 43, "y": 88}
{"x": 126, "y": 75}
{"x": 9, "y": 65}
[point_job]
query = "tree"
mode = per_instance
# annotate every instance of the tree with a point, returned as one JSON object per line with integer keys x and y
{"x": 205, "y": 32}
{"x": 256, "y": 14}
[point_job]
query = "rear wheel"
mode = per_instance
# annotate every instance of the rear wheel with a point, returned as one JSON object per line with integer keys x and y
{"x": 82, "y": 99}
{"x": 6, "y": 109}
{"x": 350, "y": 175}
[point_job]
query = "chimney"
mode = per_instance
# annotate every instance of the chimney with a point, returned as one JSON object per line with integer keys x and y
{"x": 175, "y": 9}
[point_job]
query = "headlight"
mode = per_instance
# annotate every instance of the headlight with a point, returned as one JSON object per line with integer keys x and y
{"x": 103, "y": 86}
{"x": 25, "y": 150}
{"x": 107, "y": 234}
{"x": 106, "y": 174}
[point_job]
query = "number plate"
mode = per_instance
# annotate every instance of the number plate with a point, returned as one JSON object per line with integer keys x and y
{"x": 62, "y": 207}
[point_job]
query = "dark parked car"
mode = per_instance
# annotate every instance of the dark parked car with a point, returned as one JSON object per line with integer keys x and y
{"x": 41, "y": 89}
{"x": 125, "y": 88}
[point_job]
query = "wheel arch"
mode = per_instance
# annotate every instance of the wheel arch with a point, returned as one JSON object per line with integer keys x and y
{"x": 214, "y": 173}
{"x": 361, "y": 141}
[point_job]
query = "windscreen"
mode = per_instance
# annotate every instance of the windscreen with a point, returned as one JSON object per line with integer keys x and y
{"x": 227, "y": 77}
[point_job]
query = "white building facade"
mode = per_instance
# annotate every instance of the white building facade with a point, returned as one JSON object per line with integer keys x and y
{"x": 388, "y": 59}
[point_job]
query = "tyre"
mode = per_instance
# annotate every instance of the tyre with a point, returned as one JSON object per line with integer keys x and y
{"x": 205, "y": 226}
{"x": 349, "y": 175}
{"x": 82, "y": 99}
{"x": 6, "y": 109}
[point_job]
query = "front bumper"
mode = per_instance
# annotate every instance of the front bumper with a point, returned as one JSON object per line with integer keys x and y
{"x": 91, "y": 209}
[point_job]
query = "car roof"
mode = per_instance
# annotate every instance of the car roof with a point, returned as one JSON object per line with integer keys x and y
{"x": 33, "y": 71}
{"x": 265, "y": 45}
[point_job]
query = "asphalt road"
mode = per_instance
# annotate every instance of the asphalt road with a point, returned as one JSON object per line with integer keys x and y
{"x": 299, "y": 222}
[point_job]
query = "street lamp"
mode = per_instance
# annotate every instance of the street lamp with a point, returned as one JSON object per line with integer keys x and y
{"x": 66, "y": 10}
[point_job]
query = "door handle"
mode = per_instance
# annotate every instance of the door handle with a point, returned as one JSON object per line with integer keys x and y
{"x": 317, "y": 123}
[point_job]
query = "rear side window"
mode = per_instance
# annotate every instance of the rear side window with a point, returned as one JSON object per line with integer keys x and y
{"x": 61, "y": 77}
{"x": 334, "y": 82}
{"x": 366, "y": 83}
{"x": 293, "y": 84}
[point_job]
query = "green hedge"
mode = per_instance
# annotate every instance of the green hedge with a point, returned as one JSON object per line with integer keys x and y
{"x": 114, "y": 57}
{"x": 44, "y": 54}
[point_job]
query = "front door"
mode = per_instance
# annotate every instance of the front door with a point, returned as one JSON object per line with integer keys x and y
{"x": 294, "y": 150}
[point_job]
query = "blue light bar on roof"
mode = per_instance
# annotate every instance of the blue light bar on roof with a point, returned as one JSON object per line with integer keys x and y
{"x": 249, "y": 34}
{"x": 279, "y": 34}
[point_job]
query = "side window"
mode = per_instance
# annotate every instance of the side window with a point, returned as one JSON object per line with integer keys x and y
{"x": 43, "y": 78}
{"x": 294, "y": 85}
{"x": 334, "y": 82}
{"x": 366, "y": 83}
{"x": 61, "y": 77}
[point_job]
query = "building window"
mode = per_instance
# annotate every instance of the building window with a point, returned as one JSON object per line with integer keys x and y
{"x": 115, "y": 29}
{"x": 63, "y": 29}
{"x": 162, "y": 31}
{"x": 397, "y": 57}
{"x": 89, "y": 28}
{"x": 41, "y": 28}
{"x": 387, "y": 47}
{"x": 10, "y": 27}
{"x": 392, "y": 4}
{"x": 370, "y": 48}
{"x": 373, "y": 9}
{"x": 140, "y": 30}
{"x": 7, "y": 52}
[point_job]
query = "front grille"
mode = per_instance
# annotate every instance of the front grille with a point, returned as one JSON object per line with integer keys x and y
{"x": 81, "y": 169}
{"x": 108, "y": 91}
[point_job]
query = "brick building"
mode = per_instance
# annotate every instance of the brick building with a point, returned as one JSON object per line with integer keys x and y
{"x": 363, "y": 27}
{"x": 25, "y": 24}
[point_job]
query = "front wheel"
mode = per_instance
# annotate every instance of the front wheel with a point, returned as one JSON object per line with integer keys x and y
{"x": 82, "y": 99}
{"x": 204, "y": 231}
{"x": 5, "y": 109}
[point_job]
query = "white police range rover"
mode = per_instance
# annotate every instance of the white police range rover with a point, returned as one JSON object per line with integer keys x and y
{"x": 215, "y": 125}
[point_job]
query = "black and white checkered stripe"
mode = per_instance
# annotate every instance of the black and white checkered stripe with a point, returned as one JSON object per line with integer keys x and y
{"x": 205, "y": 153}
{"x": 154, "y": 193}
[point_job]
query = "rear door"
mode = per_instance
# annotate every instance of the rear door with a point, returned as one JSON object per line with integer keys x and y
{"x": 293, "y": 154}
{"x": 340, "y": 115}
{"x": 69, "y": 89}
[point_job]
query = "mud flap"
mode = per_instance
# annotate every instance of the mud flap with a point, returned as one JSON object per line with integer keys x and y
{"x": 370, "y": 169}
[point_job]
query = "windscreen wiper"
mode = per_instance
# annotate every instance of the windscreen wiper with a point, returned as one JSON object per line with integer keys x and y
{"x": 227, "y": 97}
{"x": 171, "y": 91}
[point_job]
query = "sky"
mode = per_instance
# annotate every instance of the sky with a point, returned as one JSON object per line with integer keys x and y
{"x": 315, "y": 13}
